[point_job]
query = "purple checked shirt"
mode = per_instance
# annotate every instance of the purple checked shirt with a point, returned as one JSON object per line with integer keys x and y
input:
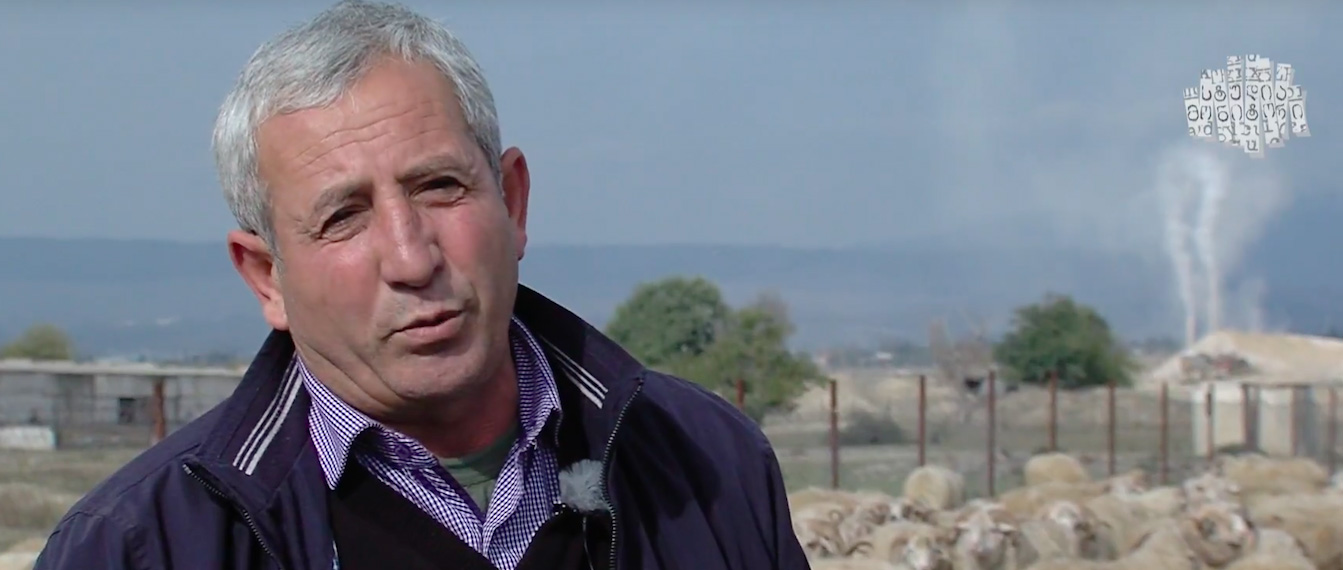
{"x": 527, "y": 487}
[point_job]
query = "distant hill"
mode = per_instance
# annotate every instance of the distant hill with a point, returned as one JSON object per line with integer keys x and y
{"x": 164, "y": 298}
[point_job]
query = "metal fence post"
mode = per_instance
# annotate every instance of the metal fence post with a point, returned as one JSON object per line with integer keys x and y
{"x": 834, "y": 435}
{"x": 1053, "y": 410}
{"x": 1165, "y": 432}
{"x": 923, "y": 420}
{"x": 1111, "y": 421}
{"x": 992, "y": 428}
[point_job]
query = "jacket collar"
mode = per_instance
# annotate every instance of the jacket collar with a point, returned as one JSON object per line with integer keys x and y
{"x": 262, "y": 432}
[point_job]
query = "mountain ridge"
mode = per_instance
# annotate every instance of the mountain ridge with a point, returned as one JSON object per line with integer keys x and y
{"x": 109, "y": 293}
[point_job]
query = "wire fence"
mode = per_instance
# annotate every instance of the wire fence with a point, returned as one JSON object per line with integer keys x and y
{"x": 849, "y": 435}
{"x": 1171, "y": 431}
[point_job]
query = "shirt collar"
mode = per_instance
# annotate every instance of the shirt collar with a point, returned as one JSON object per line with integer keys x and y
{"x": 334, "y": 425}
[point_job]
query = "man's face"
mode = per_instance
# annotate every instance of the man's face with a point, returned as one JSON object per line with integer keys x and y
{"x": 399, "y": 247}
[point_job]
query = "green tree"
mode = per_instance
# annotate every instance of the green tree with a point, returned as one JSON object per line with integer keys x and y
{"x": 683, "y": 327}
{"x": 753, "y": 348}
{"x": 1064, "y": 335}
{"x": 670, "y": 319}
{"x": 40, "y": 342}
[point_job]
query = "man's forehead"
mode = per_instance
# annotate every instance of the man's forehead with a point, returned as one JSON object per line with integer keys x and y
{"x": 405, "y": 135}
{"x": 393, "y": 97}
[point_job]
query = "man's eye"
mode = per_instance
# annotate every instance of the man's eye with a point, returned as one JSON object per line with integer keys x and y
{"x": 337, "y": 218}
{"x": 447, "y": 183}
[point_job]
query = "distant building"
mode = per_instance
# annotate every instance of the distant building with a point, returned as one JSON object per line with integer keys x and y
{"x": 94, "y": 404}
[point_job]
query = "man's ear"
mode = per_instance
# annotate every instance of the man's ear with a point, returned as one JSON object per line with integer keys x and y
{"x": 256, "y": 264}
{"x": 516, "y": 182}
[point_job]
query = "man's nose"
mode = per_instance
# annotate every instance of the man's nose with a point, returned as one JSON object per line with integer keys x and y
{"x": 411, "y": 255}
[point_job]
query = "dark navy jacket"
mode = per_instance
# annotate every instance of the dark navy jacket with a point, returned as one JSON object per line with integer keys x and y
{"x": 692, "y": 482}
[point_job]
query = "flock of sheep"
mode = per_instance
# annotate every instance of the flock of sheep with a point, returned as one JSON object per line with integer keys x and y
{"x": 1246, "y": 512}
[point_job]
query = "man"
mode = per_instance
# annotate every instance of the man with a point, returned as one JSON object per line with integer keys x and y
{"x": 415, "y": 407}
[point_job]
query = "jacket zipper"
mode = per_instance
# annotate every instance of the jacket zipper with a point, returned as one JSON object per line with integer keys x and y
{"x": 247, "y": 517}
{"x": 606, "y": 469}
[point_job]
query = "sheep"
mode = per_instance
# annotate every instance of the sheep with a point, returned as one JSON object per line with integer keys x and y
{"x": 851, "y": 564}
{"x": 1259, "y": 474}
{"x": 984, "y": 538}
{"x": 1335, "y": 483}
{"x": 1274, "y": 550}
{"x": 912, "y": 510}
{"x": 1130, "y": 484}
{"x": 1119, "y": 524}
{"x": 1163, "y": 549}
{"x": 1209, "y": 487}
{"x": 869, "y": 512}
{"x": 1316, "y": 521}
{"x": 918, "y": 545}
{"x": 926, "y": 551}
{"x": 819, "y": 536}
{"x": 1054, "y": 467}
{"x": 1025, "y": 501}
{"x": 1209, "y": 535}
{"x": 830, "y": 511}
{"x": 1041, "y": 539}
{"x": 1080, "y": 525}
{"x": 1162, "y": 501}
{"x": 1218, "y": 532}
{"x": 805, "y": 498}
{"x": 936, "y": 486}
{"x": 873, "y": 508}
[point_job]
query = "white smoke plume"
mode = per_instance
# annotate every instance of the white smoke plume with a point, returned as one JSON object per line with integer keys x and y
{"x": 1249, "y": 305}
{"x": 1175, "y": 192}
{"x": 1211, "y": 213}
{"x": 1210, "y": 176}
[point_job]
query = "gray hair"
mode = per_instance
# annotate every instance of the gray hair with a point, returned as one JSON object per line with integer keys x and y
{"x": 313, "y": 65}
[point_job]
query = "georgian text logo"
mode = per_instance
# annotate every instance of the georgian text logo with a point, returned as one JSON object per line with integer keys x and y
{"x": 1251, "y": 104}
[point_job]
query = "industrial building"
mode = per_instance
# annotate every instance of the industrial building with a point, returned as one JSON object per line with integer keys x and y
{"x": 102, "y": 404}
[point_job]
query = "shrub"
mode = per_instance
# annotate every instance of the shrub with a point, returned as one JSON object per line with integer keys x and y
{"x": 872, "y": 428}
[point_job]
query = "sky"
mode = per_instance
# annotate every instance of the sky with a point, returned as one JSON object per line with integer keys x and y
{"x": 978, "y": 124}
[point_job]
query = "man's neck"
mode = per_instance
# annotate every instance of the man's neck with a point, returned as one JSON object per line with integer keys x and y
{"x": 471, "y": 423}
{"x": 449, "y": 427}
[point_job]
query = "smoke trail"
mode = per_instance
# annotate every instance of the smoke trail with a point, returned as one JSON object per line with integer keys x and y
{"x": 1221, "y": 211}
{"x": 1177, "y": 237}
{"x": 1211, "y": 177}
{"x": 1250, "y": 304}
{"x": 1175, "y": 192}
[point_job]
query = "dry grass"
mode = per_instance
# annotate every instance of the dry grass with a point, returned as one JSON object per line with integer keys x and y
{"x": 23, "y": 505}
{"x": 38, "y": 487}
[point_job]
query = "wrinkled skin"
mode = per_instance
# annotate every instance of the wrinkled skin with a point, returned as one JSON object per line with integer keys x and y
{"x": 398, "y": 252}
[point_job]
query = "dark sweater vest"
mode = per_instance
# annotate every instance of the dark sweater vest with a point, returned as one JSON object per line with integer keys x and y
{"x": 376, "y": 528}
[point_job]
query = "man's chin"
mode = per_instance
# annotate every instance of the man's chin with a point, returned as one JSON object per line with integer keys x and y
{"x": 435, "y": 376}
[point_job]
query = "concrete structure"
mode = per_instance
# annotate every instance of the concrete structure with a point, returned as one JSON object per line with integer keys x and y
{"x": 31, "y": 438}
{"x": 1282, "y": 419}
{"x": 1270, "y": 358}
{"x": 100, "y": 404}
